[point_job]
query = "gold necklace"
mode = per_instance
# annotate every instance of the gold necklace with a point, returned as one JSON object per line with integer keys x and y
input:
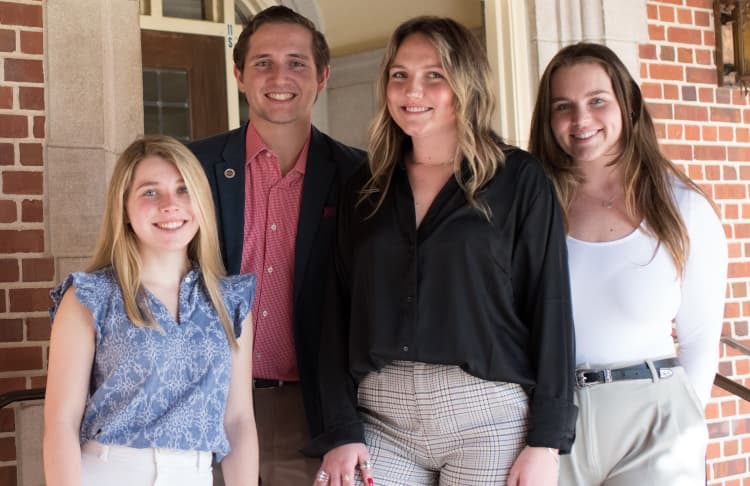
{"x": 609, "y": 204}
{"x": 605, "y": 203}
{"x": 410, "y": 158}
{"x": 450, "y": 162}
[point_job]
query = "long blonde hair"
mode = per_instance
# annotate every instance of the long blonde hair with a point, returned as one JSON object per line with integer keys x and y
{"x": 648, "y": 175}
{"x": 468, "y": 74}
{"x": 117, "y": 245}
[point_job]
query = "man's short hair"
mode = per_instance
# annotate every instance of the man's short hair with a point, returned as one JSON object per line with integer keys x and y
{"x": 279, "y": 14}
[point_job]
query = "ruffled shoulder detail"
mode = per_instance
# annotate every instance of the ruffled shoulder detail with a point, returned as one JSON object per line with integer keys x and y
{"x": 93, "y": 290}
{"x": 238, "y": 292}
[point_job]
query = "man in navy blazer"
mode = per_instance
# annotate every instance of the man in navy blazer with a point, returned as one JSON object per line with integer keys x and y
{"x": 274, "y": 170}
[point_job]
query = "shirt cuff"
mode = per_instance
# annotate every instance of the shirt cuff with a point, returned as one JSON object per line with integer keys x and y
{"x": 552, "y": 423}
{"x": 352, "y": 432}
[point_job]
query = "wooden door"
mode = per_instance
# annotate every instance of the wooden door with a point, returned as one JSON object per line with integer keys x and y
{"x": 184, "y": 86}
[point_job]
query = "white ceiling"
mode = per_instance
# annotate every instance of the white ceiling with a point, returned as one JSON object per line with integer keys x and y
{"x": 353, "y": 26}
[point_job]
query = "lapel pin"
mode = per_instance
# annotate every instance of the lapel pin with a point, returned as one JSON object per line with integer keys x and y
{"x": 229, "y": 173}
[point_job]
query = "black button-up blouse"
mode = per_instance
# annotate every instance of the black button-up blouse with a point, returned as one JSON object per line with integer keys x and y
{"x": 491, "y": 296}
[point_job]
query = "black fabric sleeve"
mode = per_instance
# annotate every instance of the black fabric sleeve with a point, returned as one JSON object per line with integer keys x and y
{"x": 542, "y": 290}
{"x": 338, "y": 390}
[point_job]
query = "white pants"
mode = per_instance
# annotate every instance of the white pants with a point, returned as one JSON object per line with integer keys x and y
{"x": 638, "y": 432}
{"x": 126, "y": 466}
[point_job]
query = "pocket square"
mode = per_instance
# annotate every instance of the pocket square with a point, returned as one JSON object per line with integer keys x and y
{"x": 329, "y": 211}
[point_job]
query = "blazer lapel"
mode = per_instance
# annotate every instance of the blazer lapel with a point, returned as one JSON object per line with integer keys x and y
{"x": 319, "y": 175}
{"x": 230, "y": 182}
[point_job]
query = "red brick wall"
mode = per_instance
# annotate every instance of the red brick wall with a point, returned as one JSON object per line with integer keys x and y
{"x": 26, "y": 269}
{"x": 706, "y": 128}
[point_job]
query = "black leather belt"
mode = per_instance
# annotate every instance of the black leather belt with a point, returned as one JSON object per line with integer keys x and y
{"x": 266, "y": 383}
{"x": 587, "y": 377}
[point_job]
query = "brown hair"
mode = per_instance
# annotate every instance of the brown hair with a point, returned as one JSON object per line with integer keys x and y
{"x": 281, "y": 15}
{"x": 648, "y": 175}
{"x": 468, "y": 73}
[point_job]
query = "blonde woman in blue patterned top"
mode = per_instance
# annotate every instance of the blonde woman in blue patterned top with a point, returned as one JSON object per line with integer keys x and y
{"x": 149, "y": 366}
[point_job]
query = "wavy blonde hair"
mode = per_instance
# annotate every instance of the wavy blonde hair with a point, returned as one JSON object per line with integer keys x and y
{"x": 468, "y": 73}
{"x": 648, "y": 175}
{"x": 117, "y": 245}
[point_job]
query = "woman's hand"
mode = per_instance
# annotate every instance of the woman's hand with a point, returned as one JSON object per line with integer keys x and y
{"x": 340, "y": 464}
{"x": 535, "y": 466}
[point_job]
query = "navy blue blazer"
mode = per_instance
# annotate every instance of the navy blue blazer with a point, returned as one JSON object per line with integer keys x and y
{"x": 329, "y": 165}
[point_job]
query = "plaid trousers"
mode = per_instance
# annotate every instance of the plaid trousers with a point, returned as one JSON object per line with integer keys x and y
{"x": 428, "y": 424}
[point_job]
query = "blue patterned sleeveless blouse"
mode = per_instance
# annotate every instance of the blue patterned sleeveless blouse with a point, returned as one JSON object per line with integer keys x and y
{"x": 159, "y": 388}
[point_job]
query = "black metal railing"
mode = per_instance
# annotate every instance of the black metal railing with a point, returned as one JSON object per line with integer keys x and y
{"x": 11, "y": 397}
{"x": 728, "y": 384}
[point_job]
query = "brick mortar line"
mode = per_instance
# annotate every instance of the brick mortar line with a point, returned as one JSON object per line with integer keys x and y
{"x": 668, "y": 24}
{"x": 28, "y": 314}
{"x": 23, "y": 377}
{"x": 23, "y": 2}
{"x": 22, "y": 111}
{"x": 658, "y": 62}
{"x": 27, "y": 374}
{"x": 22, "y": 226}
{"x": 666, "y": 62}
{"x": 666, "y": 43}
{"x": 9, "y": 168}
{"x": 25, "y": 285}
{"x": 699, "y": 104}
{"x": 701, "y": 143}
{"x": 19, "y": 54}
{"x": 21, "y": 28}
{"x": 35, "y": 373}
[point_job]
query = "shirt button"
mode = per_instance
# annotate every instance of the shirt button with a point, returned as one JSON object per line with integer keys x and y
{"x": 265, "y": 313}
{"x": 188, "y": 279}
{"x": 405, "y": 348}
{"x": 258, "y": 355}
{"x": 273, "y": 227}
{"x": 270, "y": 269}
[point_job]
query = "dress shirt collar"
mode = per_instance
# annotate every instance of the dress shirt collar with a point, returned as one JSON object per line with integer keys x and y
{"x": 254, "y": 146}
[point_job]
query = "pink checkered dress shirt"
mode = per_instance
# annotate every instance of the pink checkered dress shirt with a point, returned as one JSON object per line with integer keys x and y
{"x": 271, "y": 214}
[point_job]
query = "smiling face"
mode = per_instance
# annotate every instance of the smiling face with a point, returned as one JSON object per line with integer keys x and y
{"x": 159, "y": 209}
{"x": 279, "y": 77}
{"x": 586, "y": 119}
{"x": 419, "y": 98}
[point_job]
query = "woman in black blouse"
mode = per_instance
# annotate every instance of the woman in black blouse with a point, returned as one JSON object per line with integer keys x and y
{"x": 448, "y": 349}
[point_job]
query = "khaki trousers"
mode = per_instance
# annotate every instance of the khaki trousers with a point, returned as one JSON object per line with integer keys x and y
{"x": 282, "y": 432}
{"x": 638, "y": 432}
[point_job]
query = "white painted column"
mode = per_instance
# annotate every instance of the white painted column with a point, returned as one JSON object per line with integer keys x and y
{"x": 95, "y": 109}
{"x": 619, "y": 24}
{"x": 510, "y": 55}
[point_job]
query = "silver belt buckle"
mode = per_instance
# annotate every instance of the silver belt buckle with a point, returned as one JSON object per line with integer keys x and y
{"x": 583, "y": 381}
{"x": 665, "y": 373}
